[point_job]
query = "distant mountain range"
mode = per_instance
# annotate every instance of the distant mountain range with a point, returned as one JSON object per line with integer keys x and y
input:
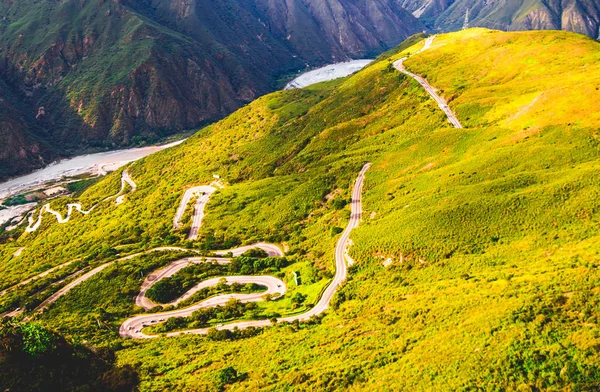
{"x": 83, "y": 74}
{"x": 580, "y": 16}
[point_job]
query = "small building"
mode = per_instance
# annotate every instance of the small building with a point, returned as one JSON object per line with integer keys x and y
{"x": 54, "y": 191}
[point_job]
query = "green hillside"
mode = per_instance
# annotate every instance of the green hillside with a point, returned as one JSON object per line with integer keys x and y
{"x": 488, "y": 234}
{"x": 102, "y": 74}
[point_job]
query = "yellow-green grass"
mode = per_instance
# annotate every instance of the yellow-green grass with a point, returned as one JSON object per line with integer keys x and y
{"x": 491, "y": 230}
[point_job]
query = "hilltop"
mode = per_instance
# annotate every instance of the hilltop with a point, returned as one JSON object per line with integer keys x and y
{"x": 475, "y": 262}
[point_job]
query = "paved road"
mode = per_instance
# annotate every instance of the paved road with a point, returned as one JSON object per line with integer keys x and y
{"x": 46, "y": 208}
{"x": 341, "y": 274}
{"x": 98, "y": 269}
{"x": 167, "y": 272}
{"x": 272, "y": 250}
{"x": 41, "y": 275}
{"x": 399, "y": 65}
{"x": 34, "y": 225}
{"x": 125, "y": 179}
{"x": 266, "y": 247}
{"x": 341, "y": 269}
{"x": 203, "y": 194}
{"x": 133, "y": 327}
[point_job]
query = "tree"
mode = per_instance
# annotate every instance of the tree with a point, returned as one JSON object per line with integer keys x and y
{"x": 336, "y": 230}
{"x": 298, "y": 299}
{"x": 36, "y": 339}
{"x": 227, "y": 375}
{"x": 256, "y": 253}
{"x": 33, "y": 358}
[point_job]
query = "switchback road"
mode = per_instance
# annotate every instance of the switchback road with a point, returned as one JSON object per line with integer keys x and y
{"x": 46, "y": 208}
{"x": 100, "y": 268}
{"x": 133, "y": 326}
{"x": 203, "y": 194}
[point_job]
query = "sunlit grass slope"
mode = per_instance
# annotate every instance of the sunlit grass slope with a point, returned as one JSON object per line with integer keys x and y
{"x": 490, "y": 232}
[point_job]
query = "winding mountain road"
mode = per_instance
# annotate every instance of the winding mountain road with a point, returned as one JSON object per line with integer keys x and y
{"x": 46, "y": 208}
{"x": 272, "y": 250}
{"x": 167, "y": 272}
{"x": 133, "y": 327}
{"x": 99, "y": 269}
{"x": 125, "y": 179}
{"x": 399, "y": 65}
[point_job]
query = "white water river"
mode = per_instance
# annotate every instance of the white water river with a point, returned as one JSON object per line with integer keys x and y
{"x": 329, "y": 72}
{"x": 103, "y": 162}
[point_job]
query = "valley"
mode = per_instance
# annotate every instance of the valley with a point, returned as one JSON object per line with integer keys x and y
{"x": 474, "y": 263}
{"x": 112, "y": 74}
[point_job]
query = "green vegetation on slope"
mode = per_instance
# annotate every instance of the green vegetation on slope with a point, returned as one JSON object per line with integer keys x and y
{"x": 99, "y": 74}
{"x": 36, "y": 359}
{"x": 488, "y": 233}
{"x": 171, "y": 288}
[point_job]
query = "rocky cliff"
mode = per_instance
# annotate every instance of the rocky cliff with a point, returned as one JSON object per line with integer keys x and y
{"x": 581, "y": 16}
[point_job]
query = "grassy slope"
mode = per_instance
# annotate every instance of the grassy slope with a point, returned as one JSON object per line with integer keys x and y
{"x": 492, "y": 229}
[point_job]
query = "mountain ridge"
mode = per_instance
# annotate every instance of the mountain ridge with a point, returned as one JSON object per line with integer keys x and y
{"x": 580, "y": 16}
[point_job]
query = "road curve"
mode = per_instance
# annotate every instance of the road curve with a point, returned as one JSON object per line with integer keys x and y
{"x": 176, "y": 266}
{"x": 341, "y": 273}
{"x": 133, "y": 327}
{"x": 100, "y": 268}
{"x": 203, "y": 194}
{"x": 272, "y": 250}
{"x": 399, "y": 65}
{"x": 142, "y": 301}
{"x": 125, "y": 179}
{"x": 34, "y": 225}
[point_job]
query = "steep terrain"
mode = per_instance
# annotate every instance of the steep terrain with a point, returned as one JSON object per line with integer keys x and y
{"x": 475, "y": 263}
{"x": 23, "y": 140}
{"x": 107, "y": 73}
{"x": 580, "y": 16}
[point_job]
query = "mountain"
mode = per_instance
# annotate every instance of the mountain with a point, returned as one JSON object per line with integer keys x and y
{"x": 101, "y": 74}
{"x": 24, "y": 146}
{"x": 475, "y": 263}
{"x": 580, "y": 16}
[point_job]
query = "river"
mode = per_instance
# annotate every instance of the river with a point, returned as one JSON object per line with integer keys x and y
{"x": 101, "y": 163}
{"x": 329, "y": 72}
{"x": 96, "y": 164}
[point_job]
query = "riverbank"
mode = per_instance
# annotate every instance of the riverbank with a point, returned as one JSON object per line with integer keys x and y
{"x": 63, "y": 171}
